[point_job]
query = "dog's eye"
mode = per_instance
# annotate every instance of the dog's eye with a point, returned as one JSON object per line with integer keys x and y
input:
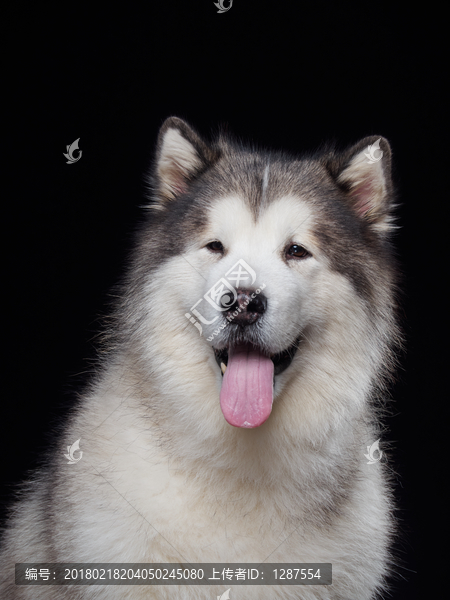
{"x": 297, "y": 251}
{"x": 216, "y": 246}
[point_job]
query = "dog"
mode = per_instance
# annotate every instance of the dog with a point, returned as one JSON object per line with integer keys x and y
{"x": 243, "y": 377}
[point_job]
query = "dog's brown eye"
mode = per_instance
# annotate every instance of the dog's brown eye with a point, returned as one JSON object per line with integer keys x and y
{"x": 297, "y": 251}
{"x": 215, "y": 246}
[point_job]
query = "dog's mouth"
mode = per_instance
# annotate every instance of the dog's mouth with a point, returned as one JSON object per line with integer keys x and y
{"x": 281, "y": 361}
{"x": 246, "y": 396}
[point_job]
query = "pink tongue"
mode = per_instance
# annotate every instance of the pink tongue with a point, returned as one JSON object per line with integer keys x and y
{"x": 247, "y": 387}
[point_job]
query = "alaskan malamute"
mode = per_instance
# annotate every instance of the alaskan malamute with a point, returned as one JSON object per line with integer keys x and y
{"x": 242, "y": 384}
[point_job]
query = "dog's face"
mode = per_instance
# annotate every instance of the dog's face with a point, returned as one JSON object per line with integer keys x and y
{"x": 275, "y": 258}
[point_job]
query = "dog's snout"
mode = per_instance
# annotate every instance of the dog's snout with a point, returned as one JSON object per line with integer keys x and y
{"x": 248, "y": 307}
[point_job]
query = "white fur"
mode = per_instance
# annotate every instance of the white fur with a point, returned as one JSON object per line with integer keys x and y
{"x": 177, "y": 483}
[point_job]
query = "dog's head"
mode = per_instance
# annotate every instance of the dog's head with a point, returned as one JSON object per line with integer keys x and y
{"x": 267, "y": 268}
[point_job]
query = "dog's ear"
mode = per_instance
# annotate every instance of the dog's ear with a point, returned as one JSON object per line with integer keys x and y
{"x": 180, "y": 156}
{"x": 364, "y": 173}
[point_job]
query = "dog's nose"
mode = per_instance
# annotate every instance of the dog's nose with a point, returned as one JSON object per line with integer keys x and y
{"x": 248, "y": 307}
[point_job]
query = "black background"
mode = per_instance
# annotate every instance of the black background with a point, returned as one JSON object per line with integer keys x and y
{"x": 281, "y": 74}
